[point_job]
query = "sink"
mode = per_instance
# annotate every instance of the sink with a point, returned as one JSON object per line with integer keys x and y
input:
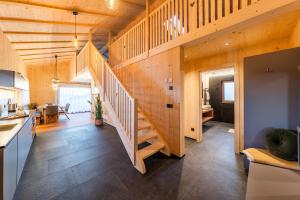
{"x": 7, "y": 127}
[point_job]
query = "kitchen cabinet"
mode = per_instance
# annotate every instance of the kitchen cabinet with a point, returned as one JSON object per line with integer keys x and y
{"x": 7, "y": 78}
{"x": 13, "y": 158}
{"x": 10, "y": 164}
{"x": 24, "y": 144}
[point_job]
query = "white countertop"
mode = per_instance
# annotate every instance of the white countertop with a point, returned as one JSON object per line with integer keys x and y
{"x": 7, "y": 136}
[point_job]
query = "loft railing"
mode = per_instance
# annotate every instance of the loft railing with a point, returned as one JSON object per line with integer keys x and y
{"x": 176, "y": 22}
{"x": 120, "y": 101}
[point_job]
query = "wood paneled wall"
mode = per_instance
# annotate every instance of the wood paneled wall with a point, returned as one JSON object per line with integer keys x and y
{"x": 9, "y": 58}
{"x": 149, "y": 81}
{"x": 40, "y": 76}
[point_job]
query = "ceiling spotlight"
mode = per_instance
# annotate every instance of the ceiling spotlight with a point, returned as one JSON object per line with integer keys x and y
{"x": 111, "y": 4}
{"x": 226, "y": 43}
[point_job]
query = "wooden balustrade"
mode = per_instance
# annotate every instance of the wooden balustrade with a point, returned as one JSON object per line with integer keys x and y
{"x": 120, "y": 100}
{"x": 132, "y": 43}
{"x": 172, "y": 20}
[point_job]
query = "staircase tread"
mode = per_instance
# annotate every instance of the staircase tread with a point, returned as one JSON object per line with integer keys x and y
{"x": 144, "y": 125}
{"x": 146, "y": 136}
{"x": 151, "y": 149}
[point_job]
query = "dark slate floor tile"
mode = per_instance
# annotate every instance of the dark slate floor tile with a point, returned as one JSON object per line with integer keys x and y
{"x": 90, "y": 162}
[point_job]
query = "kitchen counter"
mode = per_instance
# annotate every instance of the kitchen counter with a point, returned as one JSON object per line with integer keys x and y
{"x": 7, "y": 136}
{"x": 15, "y": 145}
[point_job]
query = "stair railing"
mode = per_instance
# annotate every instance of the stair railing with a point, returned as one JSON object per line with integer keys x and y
{"x": 121, "y": 101}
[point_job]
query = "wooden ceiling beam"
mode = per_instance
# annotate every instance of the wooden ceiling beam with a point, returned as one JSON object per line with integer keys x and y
{"x": 49, "y": 53}
{"x": 48, "y": 48}
{"x": 12, "y": 19}
{"x": 41, "y": 42}
{"x": 49, "y": 57}
{"x": 134, "y": 4}
{"x": 48, "y": 6}
{"x": 39, "y": 33}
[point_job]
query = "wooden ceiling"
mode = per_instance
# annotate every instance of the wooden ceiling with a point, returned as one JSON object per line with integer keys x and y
{"x": 251, "y": 34}
{"x": 39, "y": 29}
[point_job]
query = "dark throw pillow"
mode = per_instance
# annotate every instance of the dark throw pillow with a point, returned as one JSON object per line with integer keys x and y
{"x": 282, "y": 143}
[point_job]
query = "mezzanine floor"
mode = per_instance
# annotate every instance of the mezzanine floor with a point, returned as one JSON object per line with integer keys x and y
{"x": 88, "y": 162}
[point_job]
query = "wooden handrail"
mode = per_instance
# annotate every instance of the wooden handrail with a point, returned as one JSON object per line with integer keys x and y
{"x": 122, "y": 103}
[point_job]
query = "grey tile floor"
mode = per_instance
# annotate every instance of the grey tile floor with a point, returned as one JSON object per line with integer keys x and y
{"x": 88, "y": 162}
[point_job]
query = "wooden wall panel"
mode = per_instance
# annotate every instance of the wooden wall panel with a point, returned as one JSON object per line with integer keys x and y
{"x": 149, "y": 82}
{"x": 40, "y": 76}
{"x": 9, "y": 58}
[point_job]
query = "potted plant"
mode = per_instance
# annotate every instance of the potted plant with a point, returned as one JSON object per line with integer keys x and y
{"x": 98, "y": 110}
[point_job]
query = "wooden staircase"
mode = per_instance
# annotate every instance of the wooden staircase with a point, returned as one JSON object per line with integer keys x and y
{"x": 139, "y": 136}
{"x": 149, "y": 136}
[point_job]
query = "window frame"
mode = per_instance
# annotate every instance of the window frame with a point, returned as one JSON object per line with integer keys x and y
{"x": 223, "y": 84}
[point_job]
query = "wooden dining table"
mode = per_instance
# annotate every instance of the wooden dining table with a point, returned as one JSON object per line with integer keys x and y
{"x": 43, "y": 108}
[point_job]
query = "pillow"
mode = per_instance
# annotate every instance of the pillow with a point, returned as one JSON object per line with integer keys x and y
{"x": 282, "y": 143}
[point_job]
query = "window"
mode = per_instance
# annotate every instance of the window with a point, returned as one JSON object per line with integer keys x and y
{"x": 227, "y": 91}
{"x": 76, "y": 96}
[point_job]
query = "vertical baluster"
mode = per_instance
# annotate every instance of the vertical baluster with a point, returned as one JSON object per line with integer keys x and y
{"x": 166, "y": 22}
{"x": 244, "y": 4}
{"x": 156, "y": 30}
{"x": 169, "y": 18}
{"x": 219, "y": 9}
{"x": 151, "y": 30}
{"x": 138, "y": 40}
{"x": 175, "y": 18}
{"x": 143, "y": 37}
{"x": 235, "y": 5}
{"x": 133, "y": 42}
{"x": 172, "y": 19}
{"x": 185, "y": 16}
{"x": 227, "y": 7}
{"x": 181, "y": 17}
{"x": 158, "y": 27}
{"x": 207, "y": 12}
{"x": 213, "y": 10}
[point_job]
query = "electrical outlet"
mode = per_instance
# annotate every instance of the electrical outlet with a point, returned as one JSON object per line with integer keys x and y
{"x": 169, "y": 105}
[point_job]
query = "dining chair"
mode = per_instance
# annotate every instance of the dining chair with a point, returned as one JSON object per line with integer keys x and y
{"x": 65, "y": 110}
{"x": 51, "y": 113}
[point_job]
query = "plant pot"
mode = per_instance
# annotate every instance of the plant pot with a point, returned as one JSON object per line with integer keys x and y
{"x": 98, "y": 122}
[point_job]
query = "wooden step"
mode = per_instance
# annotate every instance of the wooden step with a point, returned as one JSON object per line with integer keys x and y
{"x": 150, "y": 150}
{"x": 143, "y": 126}
{"x": 141, "y": 117}
{"x": 146, "y": 136}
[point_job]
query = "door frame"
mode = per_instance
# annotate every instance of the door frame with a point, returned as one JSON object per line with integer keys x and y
{"x": 238, "y": 104}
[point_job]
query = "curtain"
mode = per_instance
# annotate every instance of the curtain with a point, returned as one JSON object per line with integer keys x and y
{"x": 76, "y": 96}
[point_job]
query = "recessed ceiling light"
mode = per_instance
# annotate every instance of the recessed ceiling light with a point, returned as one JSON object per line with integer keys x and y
{"x": 226, "y": 43}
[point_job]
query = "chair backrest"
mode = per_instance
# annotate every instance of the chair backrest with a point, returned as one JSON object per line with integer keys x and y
{"x": 67, "y": 107}
{"x": 52, "y": 110}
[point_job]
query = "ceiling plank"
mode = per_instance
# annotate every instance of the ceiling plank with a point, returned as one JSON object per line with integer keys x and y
{"x": 39, "y": 33}
{"x": 32, "y": 42}
{"x": 48, "y": 53}
{"x": 69, "y": 56}
{"x": 134, "y": 4}
{"x": 48, "y": 6}
{"x": 45, "y": 22}
{"x": 48, "y": 48}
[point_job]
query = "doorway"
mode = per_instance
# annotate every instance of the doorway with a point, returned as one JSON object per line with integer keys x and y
{"x": 212, "y": 104}
{"x": 217, "y": 104}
